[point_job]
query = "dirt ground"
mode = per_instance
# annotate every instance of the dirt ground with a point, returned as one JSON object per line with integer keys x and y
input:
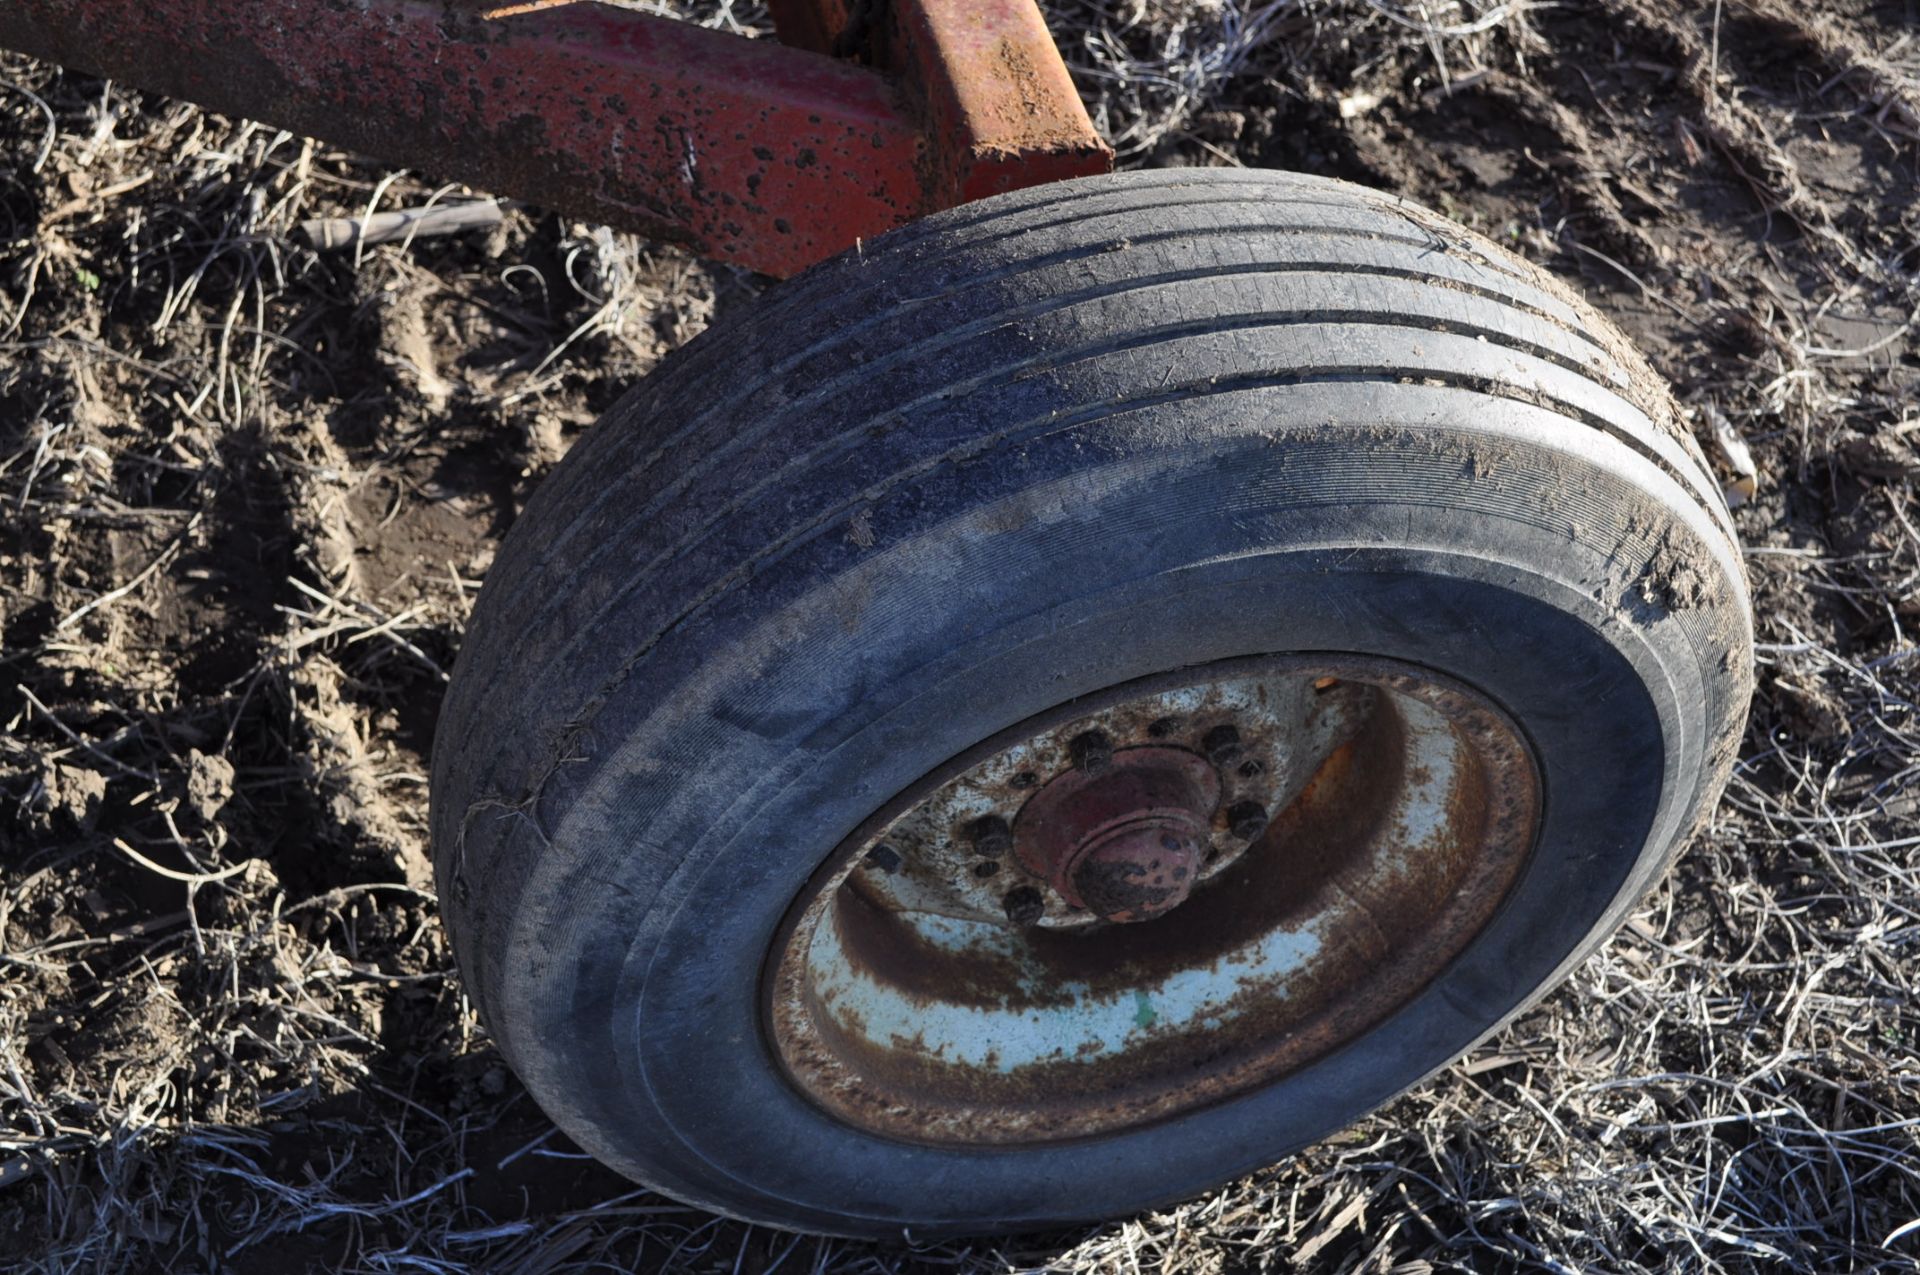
{"x": 250, "y": 490}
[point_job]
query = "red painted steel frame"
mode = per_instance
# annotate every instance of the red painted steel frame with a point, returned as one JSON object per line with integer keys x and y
{"x": 746, "y": 150}
{"x": 999, "y": 106}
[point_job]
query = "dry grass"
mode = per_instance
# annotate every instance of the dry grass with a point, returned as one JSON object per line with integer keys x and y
{"x": 250, "y": 492}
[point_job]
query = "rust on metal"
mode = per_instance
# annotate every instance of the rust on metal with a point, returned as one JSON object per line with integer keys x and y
{"x": 739, "y": 149}
{"x": 1001, "y": 112}
{"x": 1124, "y": 838}
{"x": 998, "y": 100}
{"x": 915, "y": 1003}
{"x": 932, "y": 843}
{"x": 745, "y": 150}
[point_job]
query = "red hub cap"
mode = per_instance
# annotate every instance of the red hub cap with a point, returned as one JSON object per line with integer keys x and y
{"x": 1123, "y": 834}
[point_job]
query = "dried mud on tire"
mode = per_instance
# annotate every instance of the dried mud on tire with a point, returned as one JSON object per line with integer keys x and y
{"x": 250, "y": 492}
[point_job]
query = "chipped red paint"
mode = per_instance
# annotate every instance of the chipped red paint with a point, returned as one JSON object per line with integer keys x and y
{"x": 745, "y": 150}
{"x": 1124, "y": 839}
{"x": 1001, "y": 111}
{"x": 740, "y": 149}
{"x": 997, "y": 95}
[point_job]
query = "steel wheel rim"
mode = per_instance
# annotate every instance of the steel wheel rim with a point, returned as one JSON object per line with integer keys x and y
{"x": 1371, "y": 816}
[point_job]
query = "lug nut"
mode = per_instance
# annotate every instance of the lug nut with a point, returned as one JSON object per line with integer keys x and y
{"x": 990, "y": 836}
{"x": 985, "y": 868}
{"x": 1247, "y": 819}
{"x": 1091, "y": 751}
{"x": 1161, "y": 727}
{"x": 1222, "y": 745}
{"x": 1024, "y": 905}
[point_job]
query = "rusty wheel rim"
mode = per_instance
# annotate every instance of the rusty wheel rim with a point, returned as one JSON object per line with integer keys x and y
{"x": 1285, "y": 850}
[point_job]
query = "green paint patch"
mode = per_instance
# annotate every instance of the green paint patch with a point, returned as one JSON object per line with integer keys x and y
{"x": 1143, "y": 1012}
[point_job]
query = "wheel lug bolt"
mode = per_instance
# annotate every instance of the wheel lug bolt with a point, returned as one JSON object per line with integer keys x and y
{"x": 1161, "y": 727}
{"x": 985, "y": 868}
{"x": 990, "y": 836}
{"x": 1091, "y": 751}
{"x": 1222, "y": 745}
{"x": 1024, "y": 905}
{"x": 1247, "y": 819}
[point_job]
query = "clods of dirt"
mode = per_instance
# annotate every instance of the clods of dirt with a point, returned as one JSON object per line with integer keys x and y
{"x": 250, "y": 491}
{"x": 1884, "y": 456}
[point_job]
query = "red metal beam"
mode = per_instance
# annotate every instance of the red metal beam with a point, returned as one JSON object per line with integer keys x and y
{"x": 746, "y": 150}
{"x": 740, "y": 149}
{"x": 996, "y": 97}
{"x": 1000, "y": 110}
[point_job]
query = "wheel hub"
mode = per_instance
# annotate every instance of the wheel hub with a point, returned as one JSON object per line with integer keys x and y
{"x": 1124, "y": 836}
{"x": 1150, "y": 900}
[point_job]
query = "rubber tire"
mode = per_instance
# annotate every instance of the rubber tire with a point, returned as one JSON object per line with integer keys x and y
{"x": 1006, "y": 456}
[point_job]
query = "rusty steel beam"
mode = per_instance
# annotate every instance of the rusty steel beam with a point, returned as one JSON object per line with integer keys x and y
{"x": 996, "y": 94}
{"x": 1000, "y": 109}
{"x": 745, "y": 150}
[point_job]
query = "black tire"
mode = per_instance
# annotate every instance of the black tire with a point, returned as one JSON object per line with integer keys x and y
{"x": 1008, "y": 456}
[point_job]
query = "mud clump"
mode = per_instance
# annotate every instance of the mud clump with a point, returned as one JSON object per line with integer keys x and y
{"x": 209, "y": 784}
{"x": 1675, "y": 578}
{"x": 64, "y": 798}
{"x": 1882, "y": 457}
